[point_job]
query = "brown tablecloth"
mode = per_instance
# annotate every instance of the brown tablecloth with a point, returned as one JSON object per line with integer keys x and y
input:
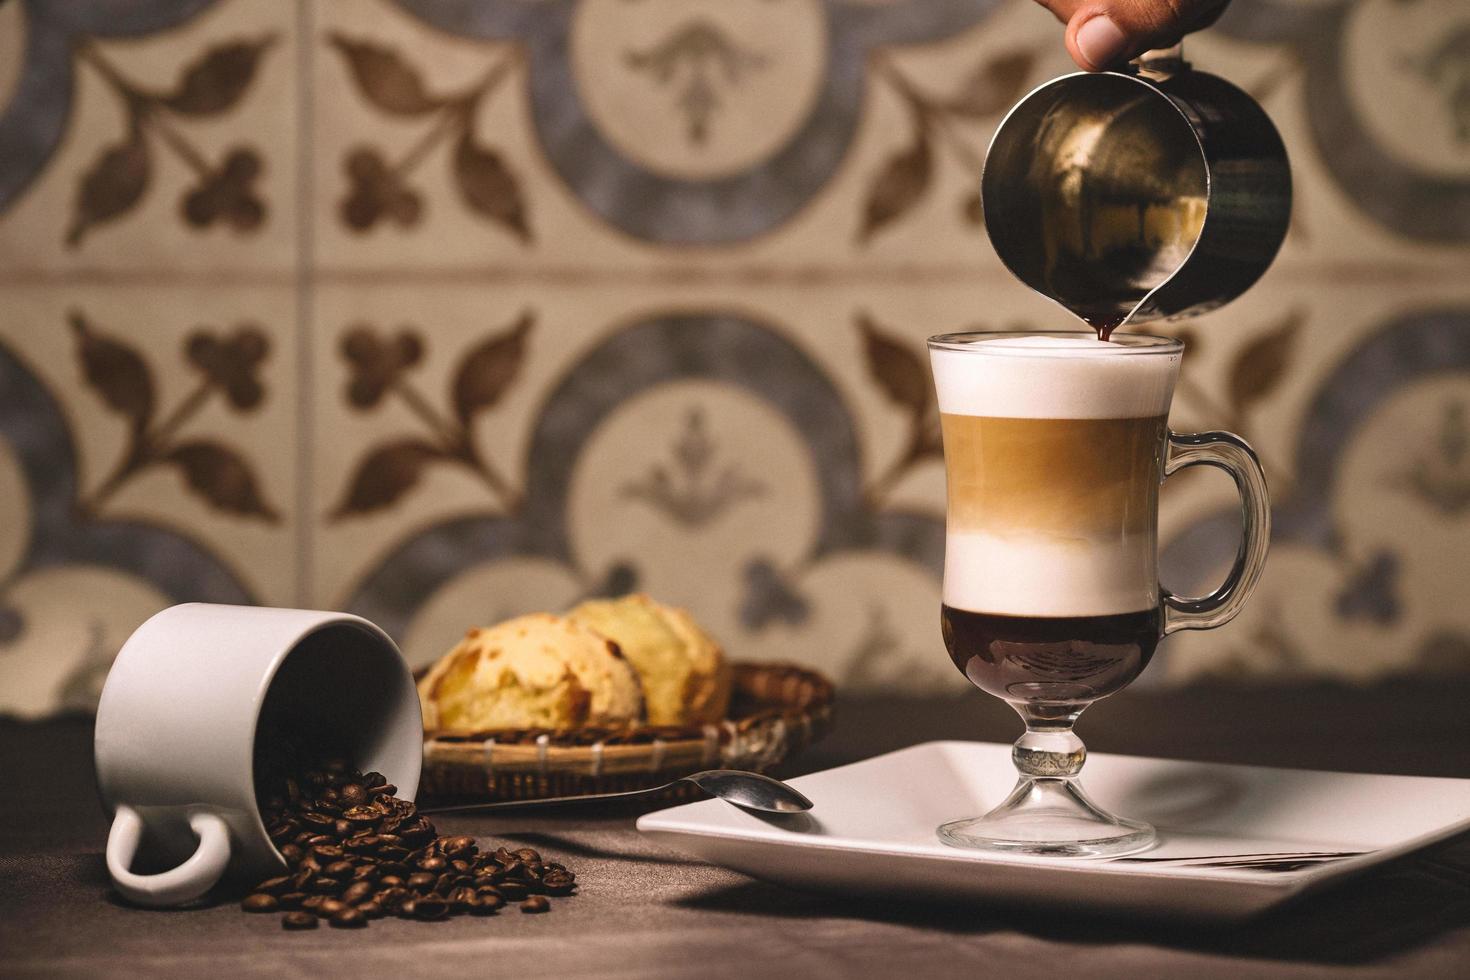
{"x": 647, "y": 912}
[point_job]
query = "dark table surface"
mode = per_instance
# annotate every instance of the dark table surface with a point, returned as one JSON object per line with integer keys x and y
{"x": 647, "y": 912}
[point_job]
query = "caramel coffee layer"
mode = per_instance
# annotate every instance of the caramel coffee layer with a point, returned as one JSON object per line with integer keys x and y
{"x": 1090, "y": 479}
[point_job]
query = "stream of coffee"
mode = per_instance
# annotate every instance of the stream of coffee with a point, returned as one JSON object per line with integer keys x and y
{"x": 1104, "y": 324}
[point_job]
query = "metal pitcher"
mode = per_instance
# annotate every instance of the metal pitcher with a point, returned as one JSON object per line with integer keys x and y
{"x": 1152, "y": 193}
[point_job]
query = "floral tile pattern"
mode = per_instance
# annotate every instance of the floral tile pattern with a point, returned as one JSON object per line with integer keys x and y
{"x": 141, "y": 465}
{"x": 440, "y": 311}
{"x": 154, "y": 140}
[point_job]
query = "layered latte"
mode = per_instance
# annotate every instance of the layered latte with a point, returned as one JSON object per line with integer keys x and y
{"x": 1054, "y": 455}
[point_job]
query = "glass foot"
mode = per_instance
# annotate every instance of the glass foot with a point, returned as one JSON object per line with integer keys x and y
{"x": 1050, "y": 817}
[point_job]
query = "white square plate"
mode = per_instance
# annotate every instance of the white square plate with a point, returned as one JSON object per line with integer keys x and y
{"x": 1233, "y": 840}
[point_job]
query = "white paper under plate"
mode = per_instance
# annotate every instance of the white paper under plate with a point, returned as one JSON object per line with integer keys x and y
{"x": 1233, "y": 840}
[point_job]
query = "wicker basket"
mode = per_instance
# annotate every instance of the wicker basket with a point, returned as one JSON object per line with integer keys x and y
{"x": 775, "y": 711}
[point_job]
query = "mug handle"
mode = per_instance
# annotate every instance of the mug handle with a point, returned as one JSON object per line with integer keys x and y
{"x": 1232, "y": 454}
{"x": 197, "y": 875}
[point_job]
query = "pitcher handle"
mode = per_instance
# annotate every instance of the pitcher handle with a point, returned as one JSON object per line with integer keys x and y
{"x": 1163, "y": 62}
{"x": 197, "y": 875}
{"x": 1232, "y": 454}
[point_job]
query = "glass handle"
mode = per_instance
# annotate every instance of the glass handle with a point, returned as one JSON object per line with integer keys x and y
{"x": 1232, "y": 454}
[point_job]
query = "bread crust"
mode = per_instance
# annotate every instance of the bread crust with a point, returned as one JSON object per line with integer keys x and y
{"x": 534, "y": 671}
{"x": 686, "y": 678}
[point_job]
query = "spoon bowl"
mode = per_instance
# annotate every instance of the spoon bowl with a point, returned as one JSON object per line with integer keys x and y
{"x": 750, "y": 790}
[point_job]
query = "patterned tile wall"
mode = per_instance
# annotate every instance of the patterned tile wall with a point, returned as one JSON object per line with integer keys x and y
{"x": 440, "y": 311}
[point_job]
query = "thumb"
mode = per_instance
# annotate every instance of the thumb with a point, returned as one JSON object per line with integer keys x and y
{"x": 1106, "y": 33}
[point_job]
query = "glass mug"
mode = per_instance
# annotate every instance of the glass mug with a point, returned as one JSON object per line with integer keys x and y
{"x": 1055, "y": 447}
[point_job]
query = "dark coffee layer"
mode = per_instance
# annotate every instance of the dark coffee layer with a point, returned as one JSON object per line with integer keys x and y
{"x": 1069, "y": 660}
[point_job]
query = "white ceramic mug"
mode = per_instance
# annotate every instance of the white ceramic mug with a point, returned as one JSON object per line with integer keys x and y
{"x": 179, "y": 717}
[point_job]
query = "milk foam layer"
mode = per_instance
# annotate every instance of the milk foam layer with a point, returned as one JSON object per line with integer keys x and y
{"x": 1038, "y": 575}
{"x": 1054, "y": 378}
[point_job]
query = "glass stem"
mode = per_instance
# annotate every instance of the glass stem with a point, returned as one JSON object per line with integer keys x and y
{"x": 1048, "y": 749}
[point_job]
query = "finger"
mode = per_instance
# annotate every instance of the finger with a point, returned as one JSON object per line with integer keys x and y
{"x": 1104, "y": 33}
{"x": 1063, "y": 10}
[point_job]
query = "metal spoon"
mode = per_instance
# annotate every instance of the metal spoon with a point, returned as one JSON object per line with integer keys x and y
{"x": 747, "y": 790}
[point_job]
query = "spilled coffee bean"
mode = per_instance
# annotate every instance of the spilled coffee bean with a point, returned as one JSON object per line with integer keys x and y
{"x": 260, "y": 902}
{"x": 298, "y": 920}
{"x": 356, "y": 852}
{"x": 348, "y": 918}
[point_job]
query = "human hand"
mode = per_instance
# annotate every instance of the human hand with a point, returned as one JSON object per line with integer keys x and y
{"x": 1105, "y": 33}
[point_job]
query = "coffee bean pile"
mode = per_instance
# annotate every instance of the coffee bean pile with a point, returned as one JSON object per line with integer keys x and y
{"x": 357, "y": 852}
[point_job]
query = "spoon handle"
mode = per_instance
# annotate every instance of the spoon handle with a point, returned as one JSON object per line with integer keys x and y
{"x": 547, "y": 801}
